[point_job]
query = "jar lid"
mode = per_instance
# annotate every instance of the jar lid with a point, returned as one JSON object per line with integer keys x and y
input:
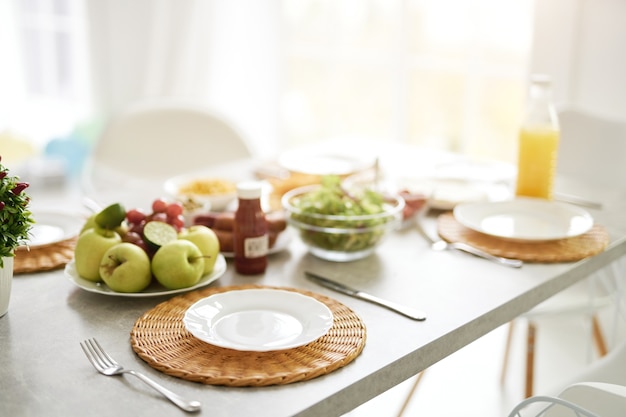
{"x": 249, "y": 190}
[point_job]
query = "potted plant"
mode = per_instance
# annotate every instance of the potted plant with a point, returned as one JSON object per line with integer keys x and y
{"x": 15, "y": 224}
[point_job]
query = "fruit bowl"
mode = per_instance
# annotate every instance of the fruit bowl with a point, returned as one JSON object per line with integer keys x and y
{"x": 342, "y": 235}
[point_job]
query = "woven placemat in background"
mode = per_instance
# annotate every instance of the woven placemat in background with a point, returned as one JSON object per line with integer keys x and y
{"x": 563, "y": 250}
{"x": 45, "y": 257}
{"x": 159, "y": 337}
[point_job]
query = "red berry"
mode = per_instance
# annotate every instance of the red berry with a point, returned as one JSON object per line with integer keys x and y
{"x": 19, "y": 187}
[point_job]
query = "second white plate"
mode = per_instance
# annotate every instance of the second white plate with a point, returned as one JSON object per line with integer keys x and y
{"x": 525, "y": 219}
{"x": 258, "y": 319}
{"x": 53, "y": 227}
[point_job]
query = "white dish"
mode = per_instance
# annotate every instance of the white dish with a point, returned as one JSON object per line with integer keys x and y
{"x": 305, "y": 162}
{"x": 53, "y": 227}
{"x": 525, "y": 219}
{"x": 215, "y": 202}
{"x": 445, "y": 194}
{"x": 258, "y": 320}
{"x": 154, "y": 290}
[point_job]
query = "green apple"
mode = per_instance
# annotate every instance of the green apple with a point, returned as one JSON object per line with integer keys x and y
{"x": 125, "y": 267}
{"x": 90, "y": 223}
{"x": 90, "y": 248}
{"x": 178, "y": 264}
{"x": 206, "y": 240}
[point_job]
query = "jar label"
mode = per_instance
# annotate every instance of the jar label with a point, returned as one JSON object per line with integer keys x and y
{"x": 255, "y": 247}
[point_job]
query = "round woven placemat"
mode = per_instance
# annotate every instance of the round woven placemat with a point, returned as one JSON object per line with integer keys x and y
{"x": 159, "y": 337}
{"x": 562, "y": 250}
{"x": 45, "y": 257}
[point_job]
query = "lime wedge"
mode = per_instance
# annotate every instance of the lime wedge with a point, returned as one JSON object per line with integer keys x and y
{"x": 157, "y": 234}
{"x": 111, "y": 216}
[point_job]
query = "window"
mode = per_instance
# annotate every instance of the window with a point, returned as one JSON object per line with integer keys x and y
{"x": 48, "y": 69}
{"x": 442, "y": 73}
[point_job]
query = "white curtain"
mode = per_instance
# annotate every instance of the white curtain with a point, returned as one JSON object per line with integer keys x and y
{"x": 217, "y": 52}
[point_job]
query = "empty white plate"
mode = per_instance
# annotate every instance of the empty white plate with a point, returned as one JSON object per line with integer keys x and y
{"x": 53, "y": 227}
{"x": 258, "y": 319}
{"x": 525, "y": 219}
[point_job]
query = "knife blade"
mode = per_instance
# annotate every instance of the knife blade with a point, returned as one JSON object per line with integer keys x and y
{"x": 409, "y": 312}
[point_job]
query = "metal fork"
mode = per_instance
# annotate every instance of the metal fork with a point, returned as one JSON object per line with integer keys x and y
{"x": 443, "y": 245}
{"x": 106, "y": 365}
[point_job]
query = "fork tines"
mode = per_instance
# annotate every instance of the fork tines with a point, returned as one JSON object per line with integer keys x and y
{"x": 96, "y": 355}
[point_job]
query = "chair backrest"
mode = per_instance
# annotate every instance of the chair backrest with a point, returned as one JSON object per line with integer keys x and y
{"x": 592, "y": 148}
{"x": 583, "y": 399}
{"x": 153, "y": 141}
{"x": 161, "y": 139}
{"x": 602, "y": 399}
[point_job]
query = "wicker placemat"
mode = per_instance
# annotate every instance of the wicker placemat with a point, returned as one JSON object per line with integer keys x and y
{"x": 45, "y": 257}
{"x": 160, "y": 338}
{"x": 562, "y": 250}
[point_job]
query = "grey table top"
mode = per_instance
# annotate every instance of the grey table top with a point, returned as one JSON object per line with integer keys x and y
{"x": 44, "y": 372}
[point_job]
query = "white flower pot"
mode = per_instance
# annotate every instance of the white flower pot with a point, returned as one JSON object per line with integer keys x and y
{"x": 6, "y": 277}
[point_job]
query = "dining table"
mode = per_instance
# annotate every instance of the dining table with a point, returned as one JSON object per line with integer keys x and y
{"x": 44, "y": 372}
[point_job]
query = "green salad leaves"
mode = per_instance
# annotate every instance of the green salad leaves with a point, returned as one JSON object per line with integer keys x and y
{"x": 333, "y": 218}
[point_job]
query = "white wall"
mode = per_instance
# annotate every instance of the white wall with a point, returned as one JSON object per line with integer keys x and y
{"x": 582, "y": 44}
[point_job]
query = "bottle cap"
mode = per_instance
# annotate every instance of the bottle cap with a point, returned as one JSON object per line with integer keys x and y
{"x": 249, "y": 190}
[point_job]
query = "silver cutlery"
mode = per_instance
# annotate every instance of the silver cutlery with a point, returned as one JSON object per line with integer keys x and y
{"x": 344, "y": 289}
{"x": 106, "y": 365}
{"x": 441, "y": 244}
{"x": 579, "y": 201}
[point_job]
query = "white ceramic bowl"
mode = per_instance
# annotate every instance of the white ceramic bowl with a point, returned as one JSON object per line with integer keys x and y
{"x": 212, "y": 192}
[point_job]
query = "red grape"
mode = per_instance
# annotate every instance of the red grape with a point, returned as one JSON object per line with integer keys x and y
{"x": 136, "y": 239}
{"x": 132, "y": 237}
{"x": 137, "y": 228}
{"x": 135, "y": 216}
{"x": 159, "y": 217}
{"x": 159, "y": 205}
{"x": 178, "y": 222}
{"x": 174, "y": 209}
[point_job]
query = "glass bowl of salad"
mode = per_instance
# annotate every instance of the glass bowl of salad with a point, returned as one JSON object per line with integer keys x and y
{"x": 339, "y": 224}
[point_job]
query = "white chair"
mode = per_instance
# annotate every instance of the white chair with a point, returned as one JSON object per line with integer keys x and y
{"x": 588, "y": 399}
{"x": 600, "y": 388}
{"x": 155, "y": 140}
{"x": 591, "y": 150}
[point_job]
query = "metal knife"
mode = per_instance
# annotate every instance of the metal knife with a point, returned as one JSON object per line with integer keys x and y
{"x": 333, "y": 285}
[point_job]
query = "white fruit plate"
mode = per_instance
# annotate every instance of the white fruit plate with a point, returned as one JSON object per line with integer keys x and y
{"x": 153, "y": 290}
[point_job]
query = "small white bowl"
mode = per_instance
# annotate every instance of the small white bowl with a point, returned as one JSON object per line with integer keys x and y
{"x": 217, "y": 193}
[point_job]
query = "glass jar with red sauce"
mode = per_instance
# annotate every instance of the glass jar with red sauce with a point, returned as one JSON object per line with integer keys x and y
{"x": 250, "y": 232}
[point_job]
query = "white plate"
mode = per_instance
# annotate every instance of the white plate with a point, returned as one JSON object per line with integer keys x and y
{"x": 153, "y": 290}
{"x": 525, "y": 219}
{"x": 53, "y": 227}
{"x": 306, "y": 162}
{"x": 258, "y": 320}
{"x": 448, "y": 193}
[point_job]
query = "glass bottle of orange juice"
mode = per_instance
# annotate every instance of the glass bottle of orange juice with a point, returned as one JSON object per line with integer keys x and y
{"x": 538, "y": 142}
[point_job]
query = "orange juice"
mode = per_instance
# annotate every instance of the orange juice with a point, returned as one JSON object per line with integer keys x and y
{"x": 537, "y": 162}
